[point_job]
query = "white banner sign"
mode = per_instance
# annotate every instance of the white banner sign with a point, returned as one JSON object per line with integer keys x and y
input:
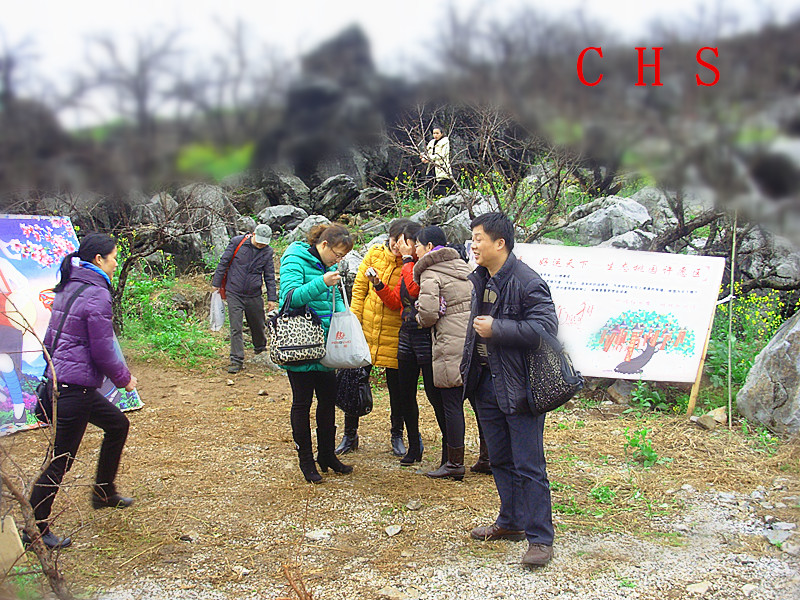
{"x": 627, "y": 314}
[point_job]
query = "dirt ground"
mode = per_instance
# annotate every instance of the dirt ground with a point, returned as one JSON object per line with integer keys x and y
{"x": 221, "y": 506}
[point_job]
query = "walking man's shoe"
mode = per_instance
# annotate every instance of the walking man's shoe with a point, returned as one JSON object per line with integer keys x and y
{"x": 50, "y": 539}
{"x": 234, "y": 367}
{"x": 495, "y": 532}
{"x": 538, "y": 555}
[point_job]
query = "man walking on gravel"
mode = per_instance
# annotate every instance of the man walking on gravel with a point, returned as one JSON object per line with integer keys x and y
{"x": 507, "y": 296}
{"x": 245, "y": 263}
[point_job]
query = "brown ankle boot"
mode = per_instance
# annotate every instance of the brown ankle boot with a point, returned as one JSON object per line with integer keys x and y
{"x": 483, "y": 465}
{"x": 454, "y": 467}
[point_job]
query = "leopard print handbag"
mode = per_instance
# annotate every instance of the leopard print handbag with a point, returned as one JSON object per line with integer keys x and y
{"x": 295, "y": 336}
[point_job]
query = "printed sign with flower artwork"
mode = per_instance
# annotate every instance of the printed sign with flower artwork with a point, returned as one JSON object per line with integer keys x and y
{"x": 31, "y": 251}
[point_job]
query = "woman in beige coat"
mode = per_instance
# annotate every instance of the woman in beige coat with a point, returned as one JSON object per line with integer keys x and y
{"x": 444, "y": 305}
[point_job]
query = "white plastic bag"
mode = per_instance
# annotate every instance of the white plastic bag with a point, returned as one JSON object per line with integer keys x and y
{"x": 346, "y": 347}
{"x": 216, "y": 316}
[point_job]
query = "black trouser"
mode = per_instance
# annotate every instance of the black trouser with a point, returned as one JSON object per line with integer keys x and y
{"x": 396, "y": 415}
{"x": 304, "y": 384}
{"x": 453, "y": 406}
{"x": 77, "y": 406}
{"x": 251, "y": 308}
{"x": 409, "y": 370}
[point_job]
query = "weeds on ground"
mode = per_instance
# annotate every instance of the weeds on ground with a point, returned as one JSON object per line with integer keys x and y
{"x": 760, "y": 438}
{"x": 155, "y": 327}
{"x": 640, "y": 449}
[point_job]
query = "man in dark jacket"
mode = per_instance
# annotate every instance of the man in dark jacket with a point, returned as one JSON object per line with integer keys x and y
{"x": 507, "y": 296}
{"x": 247, "y": 261}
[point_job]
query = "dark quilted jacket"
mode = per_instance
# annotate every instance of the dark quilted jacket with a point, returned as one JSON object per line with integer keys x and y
{"x": 86, "y": 351}
{"x": 522, "y": 297}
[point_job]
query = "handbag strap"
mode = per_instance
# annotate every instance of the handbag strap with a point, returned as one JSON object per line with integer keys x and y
{"x": 286, "y": 304}
{"x": 70, "y": 302}
{"x": 225, "y": 277}
{"x": 546, "y": 337}
{"x": 344, "y": 297}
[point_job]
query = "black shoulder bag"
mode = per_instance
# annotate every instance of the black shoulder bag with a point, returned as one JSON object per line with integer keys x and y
{"x": 44, "y": 391}
{"x": 551, "y": 376}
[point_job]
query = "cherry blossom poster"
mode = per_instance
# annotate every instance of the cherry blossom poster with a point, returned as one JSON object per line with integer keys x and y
{"x": 31, "y": 250}
{"x": 626, "y": 314}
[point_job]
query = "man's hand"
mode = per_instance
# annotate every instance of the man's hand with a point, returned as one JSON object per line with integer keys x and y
{"x": 483, "y": 326}
{"x": 214, "y": 289}
{"x": 131, "y": 384}
{"x": 331, "y": 278}
{"x": 271, "y": 306}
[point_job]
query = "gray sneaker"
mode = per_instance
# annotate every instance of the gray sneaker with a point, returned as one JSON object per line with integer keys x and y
{"x": 234, "y": 367}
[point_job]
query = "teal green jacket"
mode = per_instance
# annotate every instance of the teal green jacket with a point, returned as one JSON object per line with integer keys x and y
{"x": 302, "y": 272}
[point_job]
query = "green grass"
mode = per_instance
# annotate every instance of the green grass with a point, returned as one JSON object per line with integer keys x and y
{"x": 155, "y": 328}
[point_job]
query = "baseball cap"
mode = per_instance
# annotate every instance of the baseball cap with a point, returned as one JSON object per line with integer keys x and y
{"x": 263, "y": 234}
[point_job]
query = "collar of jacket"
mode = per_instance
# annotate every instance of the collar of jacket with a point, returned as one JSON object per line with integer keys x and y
{"x": 398, "y": 260}
{"x": 480, "y": 276}
{"x": 433, "y": 257}
{"x": 303, "y": 251}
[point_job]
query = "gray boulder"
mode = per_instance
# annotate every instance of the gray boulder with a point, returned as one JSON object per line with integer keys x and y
{"x": 658, "y": 207}
{"x": 372, "y": 199}
{"x": 632, "y": 240}
{"x": 209, "y": 210}
{"x": 763, "y": 254}
{"x": 284, "y": 217}
{"x": 301, "y": 231}
{"x": 333, "y": 195}
{"x": 155, "y": 210}
{"x": 771, "y": 394}
{"x": 612, "y": 216}
{"x": 286, "y": 188}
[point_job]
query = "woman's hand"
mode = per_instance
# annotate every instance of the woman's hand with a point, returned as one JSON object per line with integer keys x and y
{"x": 131, "y": 384}
{"x": 405, "y": 247}
{"x": 331, "y": 278}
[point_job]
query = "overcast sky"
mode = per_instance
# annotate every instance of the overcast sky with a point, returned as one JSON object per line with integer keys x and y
{"x": 398, "y": 31}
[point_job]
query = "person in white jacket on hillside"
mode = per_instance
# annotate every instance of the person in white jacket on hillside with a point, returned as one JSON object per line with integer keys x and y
{"x": 438, "y": 155}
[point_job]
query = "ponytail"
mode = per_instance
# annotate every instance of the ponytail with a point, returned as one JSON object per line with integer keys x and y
{"x": 91, "y": 245}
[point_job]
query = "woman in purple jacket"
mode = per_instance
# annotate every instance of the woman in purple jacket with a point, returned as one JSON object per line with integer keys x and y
{"x": 84, "y": 353}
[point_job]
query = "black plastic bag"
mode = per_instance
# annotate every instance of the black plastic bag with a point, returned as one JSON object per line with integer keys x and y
{"x": 354, "y": 394}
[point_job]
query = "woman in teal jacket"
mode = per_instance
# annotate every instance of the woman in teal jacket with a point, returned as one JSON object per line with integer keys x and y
{"x": 309, "y": 271}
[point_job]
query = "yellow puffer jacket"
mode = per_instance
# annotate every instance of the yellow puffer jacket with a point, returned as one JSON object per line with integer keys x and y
{"x": 380, "y": 323}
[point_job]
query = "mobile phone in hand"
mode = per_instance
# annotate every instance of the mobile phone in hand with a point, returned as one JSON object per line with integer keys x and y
{"x": 371, "y": 272}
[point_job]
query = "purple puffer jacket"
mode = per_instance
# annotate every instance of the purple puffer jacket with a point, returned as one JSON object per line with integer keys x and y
{"x": 85, "y": 352}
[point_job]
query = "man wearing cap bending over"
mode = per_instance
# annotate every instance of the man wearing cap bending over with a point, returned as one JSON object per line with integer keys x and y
{"x": 247, "y": 261}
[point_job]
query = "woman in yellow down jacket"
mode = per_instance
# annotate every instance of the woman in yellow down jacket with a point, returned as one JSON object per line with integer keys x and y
{"x": 381, "y": 326}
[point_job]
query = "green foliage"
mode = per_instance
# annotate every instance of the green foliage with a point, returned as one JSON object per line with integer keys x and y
{"x": 644, "y": 397}
{"x": 25, "y": 584}
{"x": 756, "y": 318}
{"x": 640, "y": 448}
{"x": 410, "y": 197}
{"x": 217, "y": 163}
{"x": 154, "y": 326}
{"x": 761, "y": 438}
{"x": 603, "y": 494}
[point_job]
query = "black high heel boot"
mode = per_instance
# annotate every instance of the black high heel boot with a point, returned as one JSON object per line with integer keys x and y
{"x": 334, "y": 463}
{"x": 414, "y": 453}
{"x": 326, "y": 457}
{"x": 309, "y": 467}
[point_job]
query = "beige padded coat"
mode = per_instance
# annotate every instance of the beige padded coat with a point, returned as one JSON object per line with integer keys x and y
{"x": 443, "y": 274}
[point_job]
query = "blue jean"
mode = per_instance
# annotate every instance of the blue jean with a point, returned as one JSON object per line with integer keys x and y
{"x": 516, "y": 453}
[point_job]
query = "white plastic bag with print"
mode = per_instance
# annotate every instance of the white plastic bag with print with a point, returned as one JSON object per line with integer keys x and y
{"x": 346, "y": 347}
{"x": 216, "y": 316}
